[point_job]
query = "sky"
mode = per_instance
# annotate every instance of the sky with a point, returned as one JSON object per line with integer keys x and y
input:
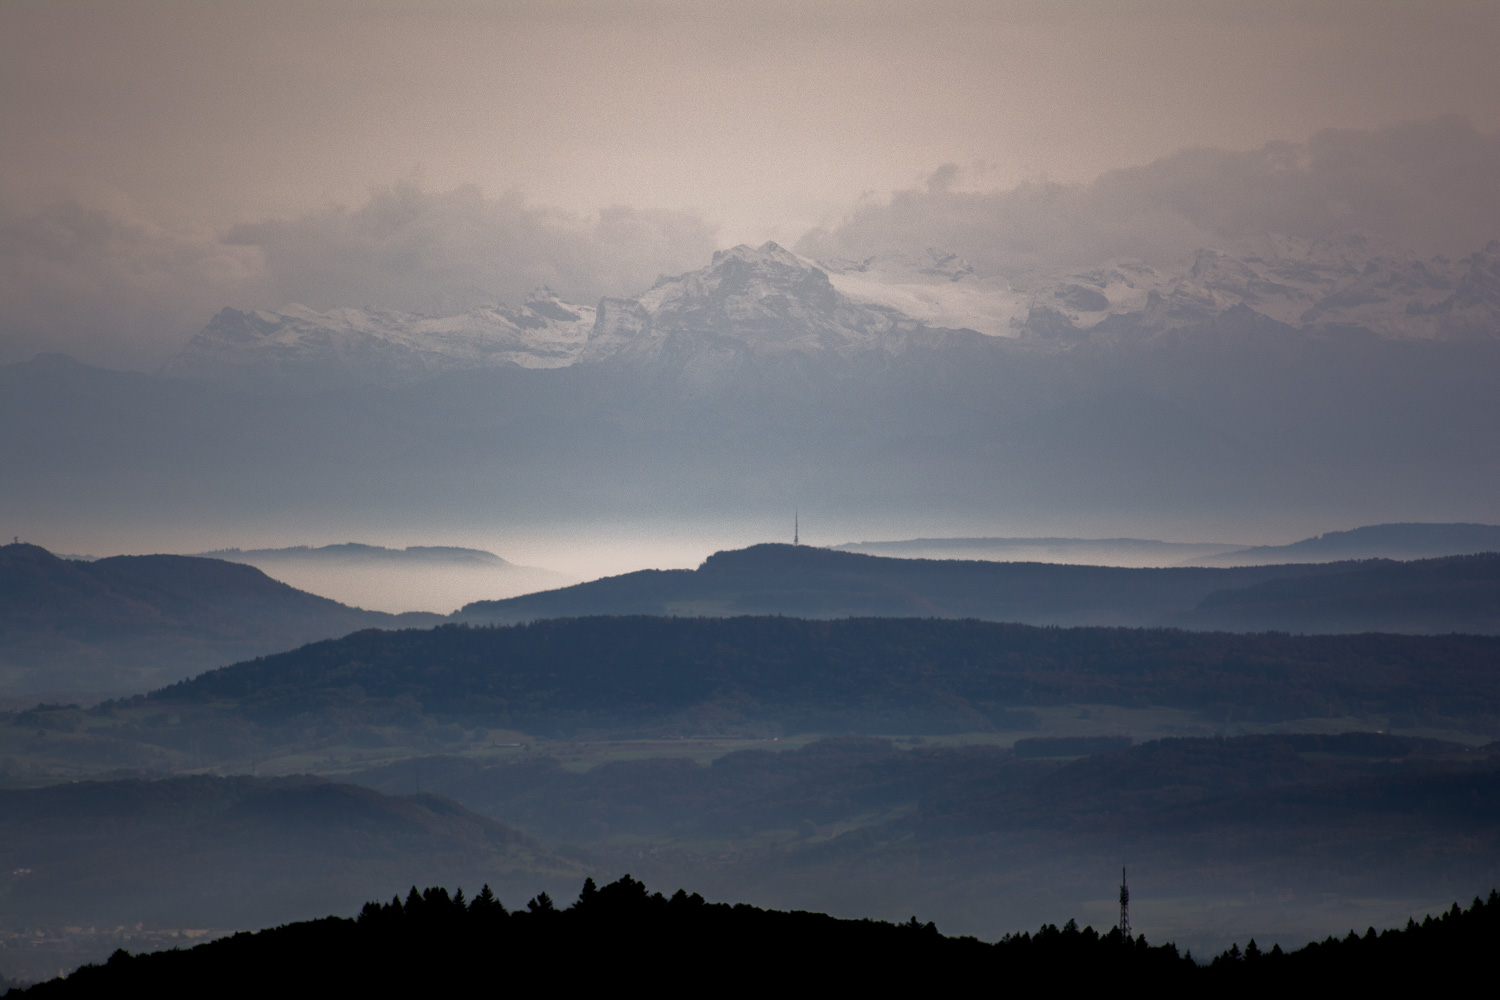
{"x": 163, "y": 160}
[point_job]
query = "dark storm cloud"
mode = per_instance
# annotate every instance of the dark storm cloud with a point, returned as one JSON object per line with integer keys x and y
{"x": 1426, "y": 186}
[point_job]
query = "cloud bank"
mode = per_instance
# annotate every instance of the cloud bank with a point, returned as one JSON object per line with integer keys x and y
{"x": 438, "y": 252}
{"x": 114, "y": 289}
{"x": 108, "y": 286}
{"x": 1425, "y": 186}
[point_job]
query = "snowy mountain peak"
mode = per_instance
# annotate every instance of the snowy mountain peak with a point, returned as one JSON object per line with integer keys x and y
{"x": 543, "y": 301}
{"x": 768, "y": 253}
{"x": 750, "y": 302}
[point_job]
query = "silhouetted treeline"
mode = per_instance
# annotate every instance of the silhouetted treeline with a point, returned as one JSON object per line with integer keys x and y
{"x": 871, "y": 675}
{"x": 1444, "y": 951}
{"x": 621, "y": 937}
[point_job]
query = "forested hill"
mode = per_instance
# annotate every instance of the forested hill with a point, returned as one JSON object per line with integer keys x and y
{"x": 1452, "y": 594}
{"x": 1387, "y": 541}
{"x": 870, "y": 675}
{"x": 434, "y": 940}
{"x": 130, "y": 622}
{"x": 825, "y": 583}
{"x": 1459, "y": 594}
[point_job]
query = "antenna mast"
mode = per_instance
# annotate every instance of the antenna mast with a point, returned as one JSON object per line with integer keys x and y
{"x": 795, "y": 528}
{"x": 1124, "y": 906}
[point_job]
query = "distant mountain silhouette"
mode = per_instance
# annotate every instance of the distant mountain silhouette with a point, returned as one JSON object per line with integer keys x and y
{"x": 357, "y": 552}
{"x": 127, "y": 623}
{"x": 1372, "y": 595}
{"x": 1139, "y": 552}
{"x": 1376, "y": 541}
{"x": 823, "y": 583}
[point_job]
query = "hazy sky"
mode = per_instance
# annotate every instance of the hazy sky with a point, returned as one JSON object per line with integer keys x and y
{"x": 159, "y": 158}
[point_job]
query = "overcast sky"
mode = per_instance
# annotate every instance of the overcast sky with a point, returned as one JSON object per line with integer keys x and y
{"x": 164, "y": 159}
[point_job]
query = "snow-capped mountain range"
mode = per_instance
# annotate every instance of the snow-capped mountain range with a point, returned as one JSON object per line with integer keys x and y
{"x": 1301, "y": 283}
{"x": 768, "y": 302}
{"x": 375, "y": 345}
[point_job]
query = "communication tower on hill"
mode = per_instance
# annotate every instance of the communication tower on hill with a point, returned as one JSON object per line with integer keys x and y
{"x": 795, "y": 528}
{"x": 1124, "y": 906}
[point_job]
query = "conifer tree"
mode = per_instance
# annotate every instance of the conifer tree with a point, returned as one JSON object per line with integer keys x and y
{"x": 485, "y": 902}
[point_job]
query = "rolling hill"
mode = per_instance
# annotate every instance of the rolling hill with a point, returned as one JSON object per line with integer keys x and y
{"x": 823, "y": 583}
{"x": 120, "y": 625}
{"x": 128, "y": 623}
{"x": 1458, "y": 594}
{"x": 1452, "y": 594}
{"x": 1374, "y": 541}
{"x": 790, "y": 675}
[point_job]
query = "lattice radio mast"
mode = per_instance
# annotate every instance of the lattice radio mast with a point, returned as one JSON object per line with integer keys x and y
{"x": 1124, "y": 906}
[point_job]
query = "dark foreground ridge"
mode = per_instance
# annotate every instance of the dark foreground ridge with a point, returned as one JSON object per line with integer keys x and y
{"x": 622, "y": 933}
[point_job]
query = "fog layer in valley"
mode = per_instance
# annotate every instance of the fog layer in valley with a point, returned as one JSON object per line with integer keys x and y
{"x": 416, "y": 578}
